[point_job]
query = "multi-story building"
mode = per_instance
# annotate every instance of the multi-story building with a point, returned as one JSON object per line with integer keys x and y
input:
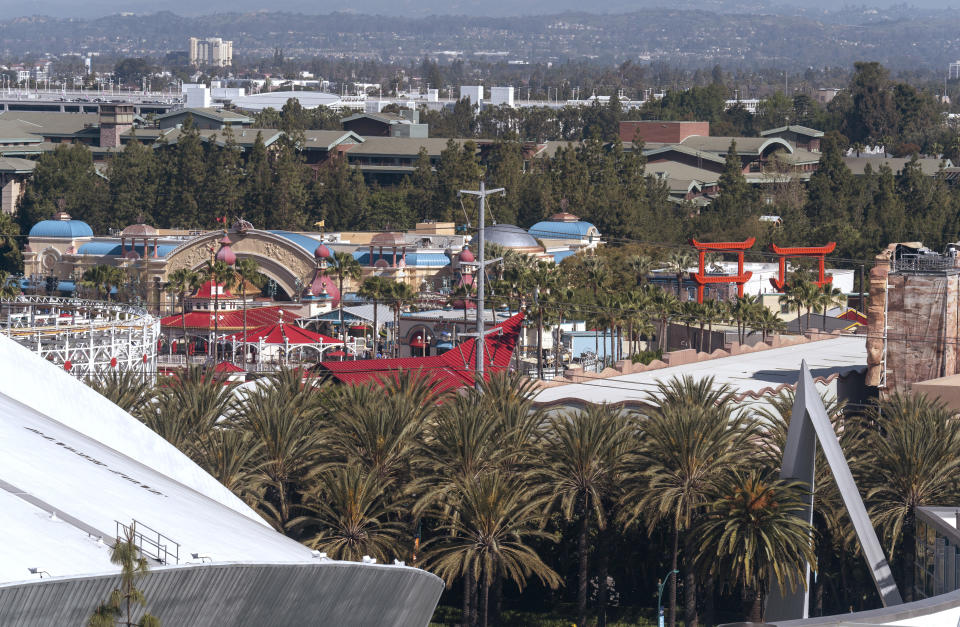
{"x": 211, "y": 51}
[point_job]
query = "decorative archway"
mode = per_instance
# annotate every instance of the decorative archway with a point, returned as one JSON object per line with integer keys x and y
{"x": 817, "y": 252}
{"x": 287, "y": 263}
{"x": 739, "y": 278}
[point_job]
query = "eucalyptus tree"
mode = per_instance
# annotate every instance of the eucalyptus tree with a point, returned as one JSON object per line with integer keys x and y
{"x": 690, "y": 438}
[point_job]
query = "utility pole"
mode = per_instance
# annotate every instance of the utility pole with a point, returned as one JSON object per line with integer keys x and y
{"x": 482, "y": 193}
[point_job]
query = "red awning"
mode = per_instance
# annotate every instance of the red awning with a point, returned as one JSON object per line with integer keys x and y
{"x": 283, "y": 334}
{"x": 231, "y": 320}
{"x": 226, "y": 366}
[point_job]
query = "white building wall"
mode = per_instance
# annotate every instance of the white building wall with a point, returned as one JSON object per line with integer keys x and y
{"x": 472, "y": 92}
{"x": 501, "y": 96}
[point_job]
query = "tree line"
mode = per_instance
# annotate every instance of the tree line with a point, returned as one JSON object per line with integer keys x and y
{"x": 576, "y": 514}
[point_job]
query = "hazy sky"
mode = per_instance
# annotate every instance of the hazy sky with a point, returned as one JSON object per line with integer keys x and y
{"x": 95, "y": 8}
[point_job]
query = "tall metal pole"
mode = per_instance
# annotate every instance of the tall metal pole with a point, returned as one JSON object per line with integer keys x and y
{"x": 481, "y": 267}
{"x": 481, "y": 276}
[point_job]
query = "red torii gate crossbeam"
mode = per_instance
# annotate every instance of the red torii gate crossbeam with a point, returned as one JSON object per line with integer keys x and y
{"x": 739, "y": 278}
{"x": 819, "y": 252}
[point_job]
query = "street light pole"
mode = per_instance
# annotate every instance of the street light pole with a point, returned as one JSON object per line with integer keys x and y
{"x": 660, "y": 586}
{"x": 481, "y": 268}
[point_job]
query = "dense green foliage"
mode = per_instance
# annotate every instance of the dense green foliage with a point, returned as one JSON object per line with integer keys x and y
{"x": 585, "y": 509}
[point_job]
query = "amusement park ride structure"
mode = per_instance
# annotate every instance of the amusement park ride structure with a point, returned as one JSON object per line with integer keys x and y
{"x": 84, "y": 337}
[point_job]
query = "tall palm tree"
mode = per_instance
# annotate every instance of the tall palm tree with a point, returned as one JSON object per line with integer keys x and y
{"x": 282, "y": 417}
{"x": 690, "y": 437}
{"x": 188, "y": 407}
{"x": 538, "y": 282}
{"x": 496, "y": 515}
{"x": 350, "y": 515}
{"x": 743, "y": 312}
{"x": 181, "y": 282}
{"x": 912, "y": 443}
{"x": 583, "y": 456}
{"x": 640, "y": 266}
{"x": 376, "y": 289}
{"x": 401, "y": 295}
{"x": 128, "y": 389}
{"x": 223, "y": 277}
{"x": 769, "y": 322}
{"x": 102, "y": 278}
{"x": 663, "y": 305}
{"x": 829, "y": 297}
{"x": 346, "y": 267}
{"x": 754, "y": 527}
{"x": 248, "y": 271}
{"x": 678, "y": 261}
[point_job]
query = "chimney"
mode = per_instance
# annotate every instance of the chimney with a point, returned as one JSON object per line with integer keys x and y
{"x": 115, "y": 120}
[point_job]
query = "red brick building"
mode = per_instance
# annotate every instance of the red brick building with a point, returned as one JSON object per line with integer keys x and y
{"x": 660, "y": 132}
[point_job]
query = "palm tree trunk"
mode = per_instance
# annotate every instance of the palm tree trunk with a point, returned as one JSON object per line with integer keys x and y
{"x": 540, "y": 344}
{"x": 710, "y": 336}
{"x": 243, "y": 302}
{"x": 497, "y": 599}
{"x": 690, "y": 618}
{"x": 908, "y": 550}
{"x": 183, "y": 322}
{"x": 582, "y": 555}
{"x": 603, "y": 566}
{"x": 672, "y": 608}
{"x": 343, "y": 331}
{"x": 467, "y": 595}
{"x": 216, "y": 319}
{"x": 485, "y": 598}
{"x": 755, "y": 601}
{"x": 709, "y": 606}
{"x": 376, "y": 333}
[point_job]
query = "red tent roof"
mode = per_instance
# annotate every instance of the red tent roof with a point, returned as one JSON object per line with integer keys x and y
{"x": 232, "y": 320}
{"x": 283, "y": 334}
{"x": 226, "y": 366}
{"x": 451, "y": 370}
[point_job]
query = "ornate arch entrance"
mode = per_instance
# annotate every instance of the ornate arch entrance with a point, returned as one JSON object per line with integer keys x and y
{"x": 280, "y": 259}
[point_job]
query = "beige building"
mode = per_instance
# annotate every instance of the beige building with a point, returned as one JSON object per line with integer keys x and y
{"x": 211, "y": 51}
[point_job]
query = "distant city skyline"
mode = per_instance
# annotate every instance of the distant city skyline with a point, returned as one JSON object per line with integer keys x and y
{"x": 494, "y": 8}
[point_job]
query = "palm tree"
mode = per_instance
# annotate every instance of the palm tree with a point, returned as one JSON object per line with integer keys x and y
{"x": 102, "y": 278}
{"x": 345, "y": 267}
{"x": 128, "y": 389}
{"x": 743, "y": 312}
{"x": 912, "y": 442}
{"x": 223, "y": 277}
{"x": 281, "y": 417}
{"x": 663, "y": 305}
{"x": 188, "y": 407}
{"x": 248, "y": 271}
{"x": 690, "y": 438}
{"x": 640, "y": 266}
{"x": 376, "y": 289}
{"x": 350, "y": 515}
{"x": 583, "y": 456}
{"x": 539, "y": 281}
{"x": 827, "y": 298}
{"x": 401, "y": 295}
{"x": 181, "y": 282}
{"x": 230, "y": 455}
{"x": 133, "y": 565}
{"x": 495, "y": 516}
{"x": 678, "y": 261}
{"x": 755, "y": 527}
{"x": 769, "y": 322}
{"x": 715, "y": 311}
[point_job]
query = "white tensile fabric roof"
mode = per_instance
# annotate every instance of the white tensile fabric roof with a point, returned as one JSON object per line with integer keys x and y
{"x": 72, "y": 465}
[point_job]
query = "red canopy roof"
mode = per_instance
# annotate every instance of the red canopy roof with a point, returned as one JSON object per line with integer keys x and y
{"x": 283, "y": 334}
{"x": 207, "y": 291}
{"x": 232, "y": 320}
{"x": 453, "y": 369}
{"x": 226, "y": 366}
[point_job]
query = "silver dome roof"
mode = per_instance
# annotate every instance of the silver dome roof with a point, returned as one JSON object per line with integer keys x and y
{"x": 510, "y": 236}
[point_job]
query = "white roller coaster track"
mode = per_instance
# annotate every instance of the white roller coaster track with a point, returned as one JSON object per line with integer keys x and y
{"x": 83, "y": 337}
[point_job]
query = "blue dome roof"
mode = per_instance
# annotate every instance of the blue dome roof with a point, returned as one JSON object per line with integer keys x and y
{"x": 550, "y": 229}
{"x": 61, "y": 228}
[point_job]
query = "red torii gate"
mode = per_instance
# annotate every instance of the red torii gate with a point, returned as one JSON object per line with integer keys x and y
{"x": 722, "y": 247}
{"x": 819, "y": 252}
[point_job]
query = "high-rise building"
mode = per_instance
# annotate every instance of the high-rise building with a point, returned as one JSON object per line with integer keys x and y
{"x": 954, "y": 70}
{"x": 211, "y": 51}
